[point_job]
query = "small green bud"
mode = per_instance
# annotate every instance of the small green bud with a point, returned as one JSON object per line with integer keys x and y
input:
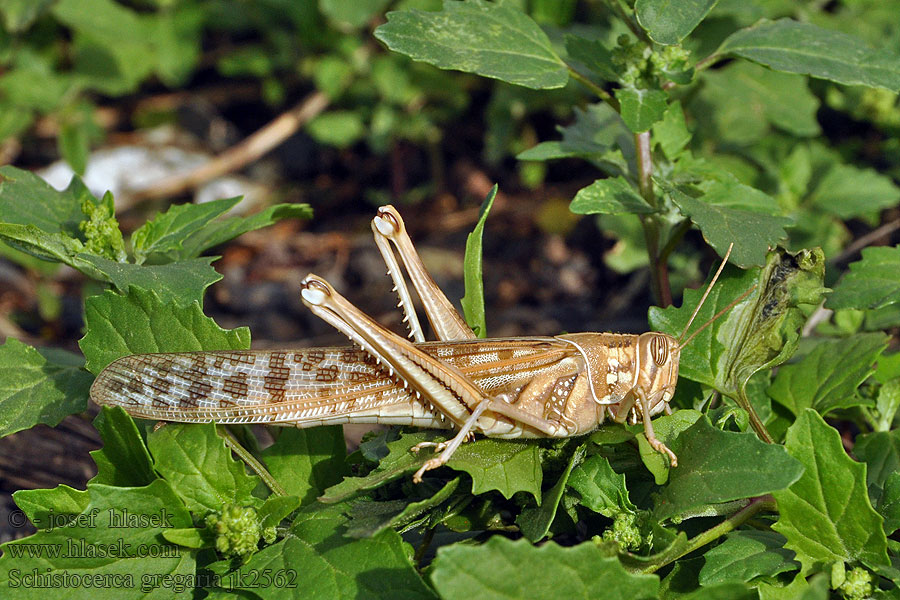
{"x": 625, "y": 532}
{"x": 238, "y": 531}
{"x": 857, "y": 584}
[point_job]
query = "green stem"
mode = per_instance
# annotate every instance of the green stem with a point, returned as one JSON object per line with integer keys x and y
{"x": 251, "y": 461}
{"x": 755, "y": 422}
{"x": 596, "y": 89}
{"x": 730, "y": 524}
{"x": 659, "y": 272}
{"x": 619, "y": 10}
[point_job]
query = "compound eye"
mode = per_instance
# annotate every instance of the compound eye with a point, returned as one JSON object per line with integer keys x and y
{"x": 659, "y": 350}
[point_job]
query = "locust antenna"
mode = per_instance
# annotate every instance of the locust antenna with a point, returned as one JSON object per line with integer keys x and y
{"x": 706, "y": 293}
{"x": 716, "y": 316}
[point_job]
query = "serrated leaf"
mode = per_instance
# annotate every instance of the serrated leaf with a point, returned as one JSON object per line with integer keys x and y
{"x": 116, "y": 538}
{"x": 370, "y": 518}
{"x": 826, "y": 515}
{"x": 507, "y": 466}
{"x": 668, "y": 22}
{"x": 794, "y": 47}
{"x": 847, "y": 192}
{"x": 399, "y": 461}
{"x": 51, "y": 508}
{"x": 716, "y": 466}
{"x": 493, "y": 570}
{"x": 827, "y": 377}
{"x": 734, "y": 213}
{"x": 199, "y": 467}
{"x": 123, "y": 460}
{"x": 746, "y": 555}
{"x": 641, "y": 108}
{"x": 473, "y": 300}
{"x": 612, "y": 196}
{"x": 222, "y": 230}
{"x": 491, "y": 39}
{"x": 139, "y": 323}
{"x": 26, "y": 199}
{"x": 873, "y": 281}
{"x": 667, "y": 429}
{"x": 164, "y": 234}
{"x": 276, "y": 508}
{"x": 307, "y": 461}
{"x": 534, "y": 523}
{"x": 39, "y": 386}
{"x": 602, "y": 490}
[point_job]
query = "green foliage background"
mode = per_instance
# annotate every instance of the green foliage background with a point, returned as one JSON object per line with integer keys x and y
{"x": 695, "y": 115}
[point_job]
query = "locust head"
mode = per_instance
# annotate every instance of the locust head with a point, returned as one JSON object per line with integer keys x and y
{"x": 657, "y": 373}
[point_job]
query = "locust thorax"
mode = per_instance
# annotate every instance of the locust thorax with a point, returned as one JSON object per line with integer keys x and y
{"x": 658, "y": 357}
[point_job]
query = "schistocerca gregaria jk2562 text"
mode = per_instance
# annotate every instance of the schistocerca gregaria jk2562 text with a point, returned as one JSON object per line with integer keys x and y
{"x": 526, "y": 387}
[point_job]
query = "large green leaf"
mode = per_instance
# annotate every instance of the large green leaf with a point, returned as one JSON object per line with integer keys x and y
{"x": 508, "y": 466}
{"x": 847, "y": 192}
{"x": 473, "y": 301}
{"x": 794, "y": 47}
{"x": 491, "y": 39}
{"x": 668, "y": 22}
{"x": 39, "y": 386}
{"x": 873, "y": 282}
{"x": 164, "y": 234}
{"x": 641, "y": 108}
{"x": 745, "y": 555}
{"x": 881, "y": 453}
{"x": 369, "y": 518}
{"x": 827, "y": 377}
{"x": 307, "y": 461}
{"x": 602, "y": 489}
{"x": 716, "y": 466}
{"x": 826, "y": 515}
{"x": 123, "y": 460}
{"x": 198, "y": 465}
{"x": 494, "y": 570}
{"x": 26, "y": 199}
{"x": 534, "y": 523}
{"x": 115, "y": 539}
{"x": 139, "y": 323}
{"x": 612, "y": 196}
{"x": 730, "y": 212}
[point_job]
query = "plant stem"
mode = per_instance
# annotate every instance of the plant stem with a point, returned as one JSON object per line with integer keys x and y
{"x": 596, "y": 89}
{"x": 619, "y": 10}
{"x": 659, "y": 272}
{"x": 731, "y": 523}
{"x": 251, "y": 461}
{"x": 755, "y": 422}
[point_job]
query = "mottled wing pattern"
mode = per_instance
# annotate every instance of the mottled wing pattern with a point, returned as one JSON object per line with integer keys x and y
{"x": 309, "y": 387}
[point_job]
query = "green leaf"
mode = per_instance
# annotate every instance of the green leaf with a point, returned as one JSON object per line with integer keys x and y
{"x": 74, "y": 145}
{"x": 641, "y": 108}
{"x": 319, "y": 561}
{"x": 493, "y": 570}
{"x": 795, "y": 47}
{"x": 307, "y": 461}
{"x": 18, "y": 15}
{"x": 873, "y": 282}
{"x": 668, "y": 22}
{"x": 826, "y": 515}
{"x": 223, "y": 230}
{"x": 827, "y": 377}
{"x": 491, "y": 39}
{"x": 612, "y": 196}
{"x": 199, "y": 467}
{"x": 507, "y": 466}
{"x": 734, "y": 213}
{"x": 56, "y": 507}
{"x": 123, "y": 460}
{"x": 164, "y": 235}
{"x": 115, "y": 539}
{"x": 667, "y": 429}
{"x": 182, "y": 282}
{"x": 716, "y": 466}
{"x": 746, "y": 555}
{"x": 760, "y": 332}
{"x": 399, "y": 461}
{"x": 671, "y": 133}
{"x": 152, "y": 326}
{"x": 534, "y": 523}
{"x": 881, "y": 453}
{"x": 602, "y": 489}
{"x": 473, "y": 301}
{"x": 889, "y": 505}
{"x": 39, "y": 386}
{"x": 847, "y": 192}
{"x": 338, "y": 128}
{"x": 371, "y": 518}
{"x": 26, "y": 199}
{"x": 593, "y": 55}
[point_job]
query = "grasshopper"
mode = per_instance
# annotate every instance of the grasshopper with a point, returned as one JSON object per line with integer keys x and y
{"x": 522, "y": 387}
